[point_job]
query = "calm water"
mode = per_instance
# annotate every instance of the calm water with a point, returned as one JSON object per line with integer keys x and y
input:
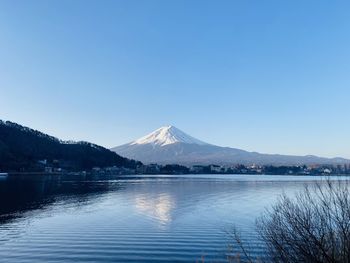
{"x": 144, "y": 219}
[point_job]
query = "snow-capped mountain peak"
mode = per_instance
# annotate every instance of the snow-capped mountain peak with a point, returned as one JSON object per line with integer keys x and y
{"x": 167, "y": 135}
{"x": 169, "y": 145}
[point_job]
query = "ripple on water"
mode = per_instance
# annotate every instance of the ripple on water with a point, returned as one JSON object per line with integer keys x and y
{"x": 168, "y": 219}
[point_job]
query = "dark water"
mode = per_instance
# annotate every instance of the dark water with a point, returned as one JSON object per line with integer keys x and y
{"x": 146, "y": 219}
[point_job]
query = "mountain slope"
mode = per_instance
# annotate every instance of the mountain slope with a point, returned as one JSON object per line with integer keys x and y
{"x": 170, "y": 145}
{"x": 21, "y": 148}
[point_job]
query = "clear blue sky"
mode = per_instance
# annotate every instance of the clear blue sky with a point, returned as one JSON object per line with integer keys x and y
{"x": 267, "y": 76}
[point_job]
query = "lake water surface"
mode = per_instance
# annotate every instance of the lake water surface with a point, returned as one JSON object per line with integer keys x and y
{"x": 133, "y": 219}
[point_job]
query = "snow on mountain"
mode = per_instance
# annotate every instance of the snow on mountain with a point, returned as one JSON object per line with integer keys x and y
{"x": 169, "y": 145}
{"x": 167, "y": 135}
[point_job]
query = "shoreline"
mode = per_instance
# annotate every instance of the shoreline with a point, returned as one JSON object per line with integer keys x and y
{"x": 14, "y": 174}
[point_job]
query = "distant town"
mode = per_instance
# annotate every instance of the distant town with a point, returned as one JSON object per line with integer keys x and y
{"x": 173, "y": 169}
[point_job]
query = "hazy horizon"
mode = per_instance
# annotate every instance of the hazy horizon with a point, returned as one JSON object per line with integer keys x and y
{"x": 270, "y": 77}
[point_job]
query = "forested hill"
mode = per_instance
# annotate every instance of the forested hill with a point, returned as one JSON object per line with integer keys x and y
{"x": 25, "y": 149}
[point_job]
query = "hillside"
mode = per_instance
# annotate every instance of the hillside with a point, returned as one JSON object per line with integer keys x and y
{"x": 25, "y": 149}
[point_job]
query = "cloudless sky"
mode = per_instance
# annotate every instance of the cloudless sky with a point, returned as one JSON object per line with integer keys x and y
{"x": 267, "y": 76}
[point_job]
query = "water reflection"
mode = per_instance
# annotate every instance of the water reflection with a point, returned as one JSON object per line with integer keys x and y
{"x": 157, "y": 206}
{"x": 128, "y": 219}
{"x": 19, "y": 195}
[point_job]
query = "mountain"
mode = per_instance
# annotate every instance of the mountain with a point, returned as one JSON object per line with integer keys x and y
{"x": 171, "y": 145}
{"x": 23, "y": 149}
{"x": 167, "y": 135}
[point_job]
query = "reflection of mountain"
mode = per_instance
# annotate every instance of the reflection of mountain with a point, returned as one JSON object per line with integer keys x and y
{"x": 19, "y": 195}
{"x": 163, "y": 200}
{"x": 171, "y": 201}
{"x": 157, "y": 206}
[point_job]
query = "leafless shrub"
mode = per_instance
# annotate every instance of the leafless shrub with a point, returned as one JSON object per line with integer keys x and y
{"x": 233, "y": 256}
{"x": 313, "y": 226}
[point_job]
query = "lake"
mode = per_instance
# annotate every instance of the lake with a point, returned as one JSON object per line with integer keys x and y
{"x": 133, "y": 218}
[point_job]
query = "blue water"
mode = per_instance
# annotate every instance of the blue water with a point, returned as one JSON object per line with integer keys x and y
{"x": 133, "y": 219}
